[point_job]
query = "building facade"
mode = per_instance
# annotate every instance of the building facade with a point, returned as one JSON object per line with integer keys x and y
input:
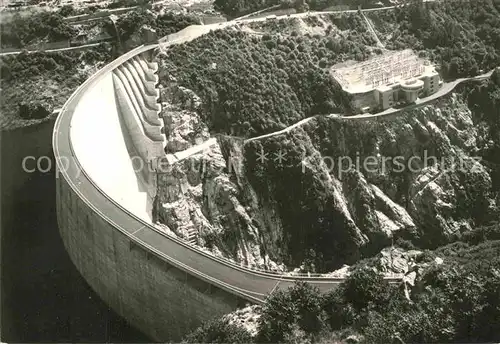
{"x": 389, "y": 80}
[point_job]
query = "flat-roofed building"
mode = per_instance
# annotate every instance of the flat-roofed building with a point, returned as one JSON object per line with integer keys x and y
{"x": 386, "y": 80}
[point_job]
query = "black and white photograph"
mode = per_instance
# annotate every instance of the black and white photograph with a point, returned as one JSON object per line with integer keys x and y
{"x": 250, "y": 171}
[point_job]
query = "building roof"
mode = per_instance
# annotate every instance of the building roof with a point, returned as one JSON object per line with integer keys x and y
{"x": 390, "y": 68}
{"x": 412, "y": 84}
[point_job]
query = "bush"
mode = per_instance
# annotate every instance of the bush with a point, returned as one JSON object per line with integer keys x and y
{"x": 219, "y": 331}
{"x": 366, "y": 287}
{"x": 32, "y": 111}
{"x": 42, "y": 26}
{"x": 339, "y": 313}
{"x": 288, "y": 312}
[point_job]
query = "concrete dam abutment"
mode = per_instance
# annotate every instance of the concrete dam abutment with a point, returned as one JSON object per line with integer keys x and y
{"x": 161, "y": 300}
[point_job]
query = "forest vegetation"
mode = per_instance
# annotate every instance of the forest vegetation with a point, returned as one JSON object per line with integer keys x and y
{"x": 252, "y": 85}
{"x": 164, "y": 24}
{"x": 50, "y": 77}
{"x": 45, "y": 26}
{"x": 462, "y": 38}
{"x": 235, "y": 8}
{"x": 457, "y": 301}
{"x": 34, "y": 84}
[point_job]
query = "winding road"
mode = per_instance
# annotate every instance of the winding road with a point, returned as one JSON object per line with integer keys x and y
{"x": 444, "y": 90}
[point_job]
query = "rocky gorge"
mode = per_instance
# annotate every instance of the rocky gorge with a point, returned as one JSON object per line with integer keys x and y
{"x": 419, "y": 176}
{"x": 205, "y": 198}
{"x": 290, "y": 200}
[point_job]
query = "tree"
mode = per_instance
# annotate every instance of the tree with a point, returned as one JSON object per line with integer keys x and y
{"x": 364, "y": 287}
{"x": 288, "y": 312}
{"x": 30, "y": 110}
{"x": 219, "y": 331}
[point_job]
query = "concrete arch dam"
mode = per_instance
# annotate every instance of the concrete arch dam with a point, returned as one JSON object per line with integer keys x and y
{"x": 160, "y": 284}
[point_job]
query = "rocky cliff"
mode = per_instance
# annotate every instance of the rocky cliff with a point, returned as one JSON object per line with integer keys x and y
{"x": 331, "y": 191}
{"x": 203, "y": 198}
{"x": 349, "y": 187}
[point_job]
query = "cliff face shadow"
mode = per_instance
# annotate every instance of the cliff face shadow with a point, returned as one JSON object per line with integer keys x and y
{"x": 44, "y": 298}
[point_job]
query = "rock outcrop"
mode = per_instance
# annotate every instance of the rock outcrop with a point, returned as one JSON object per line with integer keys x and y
{"x": 414, "y": 176}
{"x": 311, "y": 211}
{"x": 200, "y": 198}
{"x": 246, "y": 318}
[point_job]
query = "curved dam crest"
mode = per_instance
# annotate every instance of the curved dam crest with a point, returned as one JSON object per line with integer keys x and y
{"x": 161, "y": 284}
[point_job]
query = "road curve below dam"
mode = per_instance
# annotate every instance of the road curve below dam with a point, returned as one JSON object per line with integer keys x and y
{"x": 161, "y": 284}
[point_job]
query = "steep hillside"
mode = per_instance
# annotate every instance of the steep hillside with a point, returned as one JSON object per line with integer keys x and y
{"x": 254, "y": 84}
{"x": 246, "y": 85}
{"x": 293, "y": 198}
{"x": 450, "y": 296}
{"x": 50, "y": 77}
{"x": 426, "y": 175}
{"x": 206, "y": 198}
{"x": 462, "y": 40}
{"x": 418, "y": 176}
{"x": 35, "y": 84}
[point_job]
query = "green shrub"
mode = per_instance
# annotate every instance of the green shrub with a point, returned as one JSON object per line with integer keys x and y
{"x": 288, "y": 312}
{"x": 219, "y": 331}
{"x": 30, "y": 110}
{"x": 39, "y": 27}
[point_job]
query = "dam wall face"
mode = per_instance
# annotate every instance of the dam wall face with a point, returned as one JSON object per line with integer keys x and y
{"x": 159, "y": 299}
